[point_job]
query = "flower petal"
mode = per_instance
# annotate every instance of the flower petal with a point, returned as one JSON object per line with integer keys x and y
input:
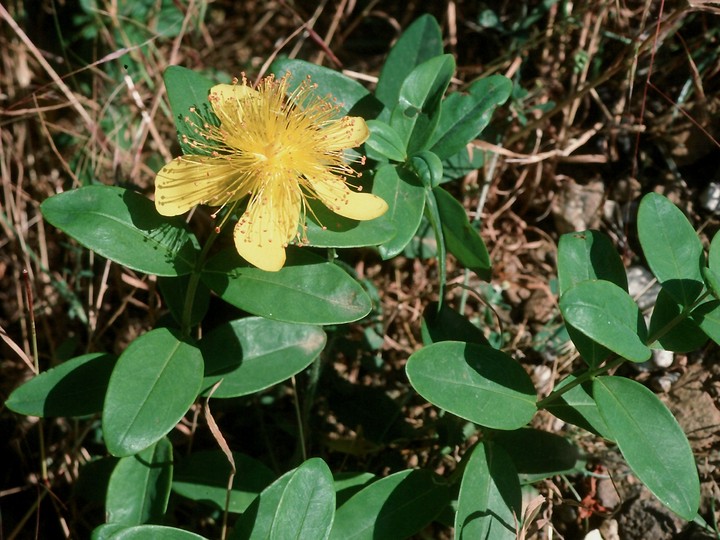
{"x": 264, "y": 230}
{"x": 347, "y": 132}
{"x": 340, "y": 199}
{"x": 191, "y": 180}
{"x": 228, "y": 96}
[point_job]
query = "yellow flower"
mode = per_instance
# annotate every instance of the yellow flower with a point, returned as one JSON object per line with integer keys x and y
{"x": 277, "y": 150}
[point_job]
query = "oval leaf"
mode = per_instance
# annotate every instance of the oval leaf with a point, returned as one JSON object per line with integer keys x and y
{"x": 187, "y": 90}
{"x": 672, "y": 248}
{"x": 397, "y": 506}
{"x": 350, "y": 96}
{"x": 707, "y": 317}
{"x": 384, "y": 142}
{"x": 587, "y": 255}
{"x": 307, "y": 289}
{"x": 578, "y": 407}
{"x": 123, "y": 226}
{"x": 682, "y": 336}
{"x": 139, "y": 486}
{"x": 203, "y": 476}
{"x": 111, "y": 531}
{"x": 421, "y": 41}
{"x": 477, "y": 383}
{"x": 299, "y": 504}
{"x": 442, "y": 323}
{"x": 605, "y": 313}
{"x": 464, "y": 116}
{"x": 490, "y": 499}
{"x": 74, "y": 388}
{"x": 539, "y": 454}
{"x": 418, "y": 109}
{"x": 461, "y": 238}
{"x": 325, "y": 228}
{"x": 154, "y": 383}
{"x": 406, "y": 200}
{"x": 254, "y": 353}
{"x": 651, "y": 441}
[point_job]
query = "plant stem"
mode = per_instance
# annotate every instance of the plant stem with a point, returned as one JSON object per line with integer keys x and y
{"x": 193, "y": 284}
{"x": 615, "y": 361}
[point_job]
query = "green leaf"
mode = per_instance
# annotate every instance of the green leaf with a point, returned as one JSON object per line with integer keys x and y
{"x": 651, "y": 441}
{"x": 74, "y": 388}
{"x": 427, "y": 167}
{"x": 348, "y": 484}
{"x": 606, "y": 314}
{"x": 123, "y": 226}
{"x": 151, "y": 388}
{"x": 252, "y": 354}
{"x": 712, "y": 281}
{"x": 350, "y": 96}
{"x": 578, "y": 407}
{"x": 325, "y": 228}
{"x": 384, "y": 142}
{"x": 672, "y": 248}
{"x": 418, "y": 109}
{"x": 139, "y": 486}
{"x": 467, "y": 160}
{"x": 174, "y": 293}
{"x": 299, "y": 504}
{"x": 307, "y": 289}
{"x": 490, "y": 500}
{"x": 446, "y": 324}
{"x": 683, "y": 336}
{"x": 406, "y": 200}
{"x": 539, "y": 454}
{"x": 203, "y": 476}
{"x": 421, "y": 41}
{"x": 588, "y": 255}
{"x": 461, "y": 239}
{"x": 464, "y": 116}
{"x": 393, "y": 507}
{"x": 707, "y": 317}
{"x": 477, "y": 383}
{"x": 590, "y": 351}
{"x": 713, "y": 272}
{"x": 187, "y": 90}
{"x": 112, "y": 531}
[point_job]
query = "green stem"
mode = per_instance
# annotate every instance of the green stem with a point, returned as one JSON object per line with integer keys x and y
{"x": 193, "y": 284}
{"x": 615, "y": 361}
{"x": 590, "y": 374}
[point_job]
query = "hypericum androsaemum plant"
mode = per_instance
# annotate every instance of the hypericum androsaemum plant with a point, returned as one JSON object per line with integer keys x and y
{"x": 274, "y": 162}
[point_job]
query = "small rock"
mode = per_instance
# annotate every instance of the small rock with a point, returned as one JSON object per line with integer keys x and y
{"x": 710, "y": 198}
{"x": 640, "y": 288}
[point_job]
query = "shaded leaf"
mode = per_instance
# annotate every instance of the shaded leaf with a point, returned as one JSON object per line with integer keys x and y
{"x": 154, "y": 383}
{"x": 464, "y": 116}
{"x": 204, "y": 476}
{"x": 308, "y": 289}
{"x": 406, "y": 200}
{"x": 490, "y": 500}
{"x": 672, "y": 248}
{"x": 461, "y": 239}
{"x": 139, "y": 487}
{"x": 74, "y": 388}
{"x": 477, "y": 383}
{"x": 123, "y": 226}
{"x": 393, "y": 507}
{"x": 421, "y": 41}
{"x": 651, "y": 441}
{"x": 254, "y": 353}
{"x": 606, "y": 314}
{"x": 299, "y": 504}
